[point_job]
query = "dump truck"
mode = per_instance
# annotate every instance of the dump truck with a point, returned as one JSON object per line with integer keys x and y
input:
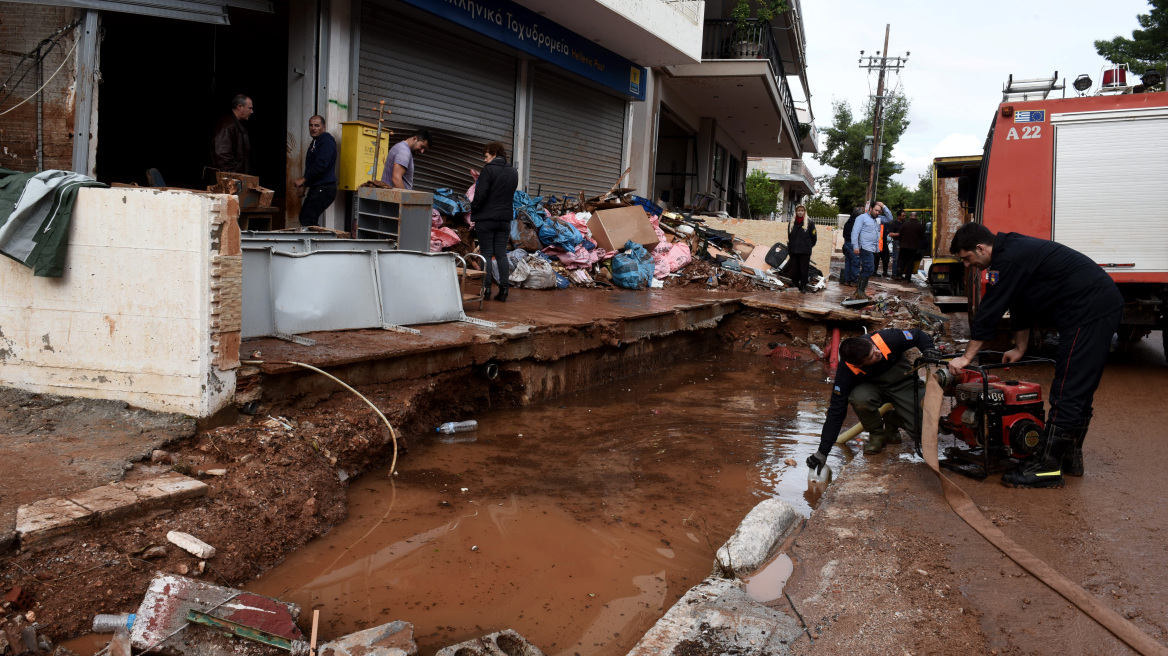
{"x": 956, "y": 181}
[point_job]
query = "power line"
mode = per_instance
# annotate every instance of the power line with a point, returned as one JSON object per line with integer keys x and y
{"x": 883, "y": 63}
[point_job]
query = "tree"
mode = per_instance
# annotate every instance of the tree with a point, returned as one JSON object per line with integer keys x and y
{"x": 762, "y": 193}
{"x": 1147, "y": 49}
{"x": 821, "y": 207}
{"x": 844, "y": 146}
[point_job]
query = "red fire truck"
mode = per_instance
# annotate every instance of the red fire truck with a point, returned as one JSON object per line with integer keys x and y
{"x": 1089, "y": 172}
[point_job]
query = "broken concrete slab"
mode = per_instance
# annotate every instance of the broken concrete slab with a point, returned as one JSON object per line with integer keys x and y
{"x": 393, "y": 639}
{"x": 47, "y": 518}
{"x": 158, "y": 491}
{"x": 191, "y": 544}
{"x": 759, "y": 534}
{"x": 501, "y": 643}
{"x": 107, "y": 501}
{"x": 168, "y": 598}
{"x": 717, "y": 616}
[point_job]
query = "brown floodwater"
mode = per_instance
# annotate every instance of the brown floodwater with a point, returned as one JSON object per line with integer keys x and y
{"x": 576, "y": 522}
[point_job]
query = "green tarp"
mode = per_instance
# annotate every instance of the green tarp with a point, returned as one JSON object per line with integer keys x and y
{"x": 35, "y": 211}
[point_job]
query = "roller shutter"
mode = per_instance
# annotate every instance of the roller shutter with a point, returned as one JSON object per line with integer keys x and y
{"x": 577, "y": 136}
{"x": 461, "y": 91}
{"x": 1110, "y": 169}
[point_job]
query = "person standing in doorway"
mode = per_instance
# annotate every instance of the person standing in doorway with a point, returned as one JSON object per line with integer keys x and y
{"x": 319, "y": 184}
{"x": 801, "y": 238}
{"x": 230, "y": 143}
{"x": 492, "y": 211}
{"x": 399, "y": 163}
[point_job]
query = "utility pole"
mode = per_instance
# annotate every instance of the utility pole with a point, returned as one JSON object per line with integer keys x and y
{"x": 883, "y": 63}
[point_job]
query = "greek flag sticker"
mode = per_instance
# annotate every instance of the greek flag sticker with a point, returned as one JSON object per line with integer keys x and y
{"x": 1030, "y": 116}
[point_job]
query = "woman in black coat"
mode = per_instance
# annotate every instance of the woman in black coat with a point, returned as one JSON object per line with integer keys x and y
{"x": 801, "y": 238}
{"x": 492, "y": 211}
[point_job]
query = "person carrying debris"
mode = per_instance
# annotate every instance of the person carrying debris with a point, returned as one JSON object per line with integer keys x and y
{"x": 492, "y": 211}
{"x": 1044, "y": 282}
{"x": 873, "y": 371}
{"x": 801, "y": 238}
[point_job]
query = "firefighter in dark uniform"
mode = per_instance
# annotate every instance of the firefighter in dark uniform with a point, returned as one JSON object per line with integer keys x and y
{"x": 873, "y": 371}
{"x": 1044, "y": 282}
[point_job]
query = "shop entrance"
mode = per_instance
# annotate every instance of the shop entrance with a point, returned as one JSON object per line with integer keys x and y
{"x": 164, "y": 84}
{"x": 676, "y": 155}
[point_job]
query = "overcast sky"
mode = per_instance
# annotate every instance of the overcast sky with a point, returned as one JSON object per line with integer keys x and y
{"x": 962, "y": 53}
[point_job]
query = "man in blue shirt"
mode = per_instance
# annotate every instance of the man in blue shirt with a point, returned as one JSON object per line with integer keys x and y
{"x": 865, "y": 240}
{"x": 319, "y": 184}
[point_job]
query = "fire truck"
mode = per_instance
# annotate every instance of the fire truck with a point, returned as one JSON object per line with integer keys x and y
{"x": 1090, "y": 172}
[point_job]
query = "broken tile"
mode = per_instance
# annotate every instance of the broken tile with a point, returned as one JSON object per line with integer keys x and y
{"x": 107, "y": 501}
{"x": 46, "y": 518}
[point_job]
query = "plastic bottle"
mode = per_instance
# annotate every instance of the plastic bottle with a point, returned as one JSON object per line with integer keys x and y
{"x": 457, "y": 426}
{"x": 823, "y": 477}
{"x": 817, "y": 351}
{"x": 109, "y": 623}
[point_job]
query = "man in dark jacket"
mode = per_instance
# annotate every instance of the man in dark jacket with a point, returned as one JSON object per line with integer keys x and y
{"x": 851, "y": 270}
{"x": 873, "y": 371}
{"x": 230, "y": 143}
{"x": 319, "y": 184}
{"x": 492, "y": 211}
{"x": 1044, "y": 282}
{"x": 911, "y": 236}
{"x": 801, "y": 238}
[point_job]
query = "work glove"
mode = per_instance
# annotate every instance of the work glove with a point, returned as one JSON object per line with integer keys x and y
{"x": 816, "y": 461}
{"x": 932, "y": 354}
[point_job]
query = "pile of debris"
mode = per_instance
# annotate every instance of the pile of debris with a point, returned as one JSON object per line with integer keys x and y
{"x": 615, "y": 239}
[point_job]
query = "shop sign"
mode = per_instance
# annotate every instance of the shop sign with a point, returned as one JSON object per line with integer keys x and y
{"x": 533, "y": 34}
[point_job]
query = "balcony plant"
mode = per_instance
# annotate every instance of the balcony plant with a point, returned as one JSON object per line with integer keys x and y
{"x": 749, "y": 35}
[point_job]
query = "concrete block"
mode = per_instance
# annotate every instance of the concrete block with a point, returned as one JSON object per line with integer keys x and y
{"x": 107, "y": 501}
{"x": 165, "y": 489}
{"x": 502, "y": 643}
{"x": 47, "y": 518}
{"x": 718, "y": 617}
{"x": 763, "y": 529}
{"x": 191, "y": 544}
{"x": 393, "y": 639}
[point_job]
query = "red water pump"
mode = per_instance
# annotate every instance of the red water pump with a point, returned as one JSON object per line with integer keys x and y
{"x": 997, "y": 421}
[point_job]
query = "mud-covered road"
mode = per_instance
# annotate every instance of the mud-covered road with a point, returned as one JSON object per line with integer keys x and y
{"x": 887, "y": 568}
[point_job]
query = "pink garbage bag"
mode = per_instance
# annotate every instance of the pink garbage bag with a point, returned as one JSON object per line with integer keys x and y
{"x": 435, "y": 218}
{"x": 442, "y": 238}
{"x": 675, "y": 258}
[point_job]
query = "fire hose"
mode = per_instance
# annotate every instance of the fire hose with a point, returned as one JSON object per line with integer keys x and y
{"x": 967, "y": 510}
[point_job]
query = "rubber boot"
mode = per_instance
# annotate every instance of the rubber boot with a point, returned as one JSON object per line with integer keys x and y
{"x": 877, "y": 440}
{"x": 487, "y": 286}
{"x": 502, "y": 295}
{"x": 861, "y": 288}
{"x": 1046, "y": 469}
{"x": 1073, "y": 458}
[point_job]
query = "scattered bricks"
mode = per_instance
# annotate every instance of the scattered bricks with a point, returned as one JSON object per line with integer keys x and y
{"x": 19, "y": 599}
{"x": 191, "y": 544}
{"x": 48, "y": 518}
{"x": 393, "y": 639}
{"x": 107, "y": 501}
{"x": 503, "y": 643}
{"x": 159, "y": 491}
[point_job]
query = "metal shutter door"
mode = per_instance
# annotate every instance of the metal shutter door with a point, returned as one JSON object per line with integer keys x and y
{"x": 463, "y": 92}
{"x": 1108, "y": 188}
{"x": 577, "y": 137}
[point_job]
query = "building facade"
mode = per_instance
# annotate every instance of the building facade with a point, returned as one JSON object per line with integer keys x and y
{"x": 670, "y": 97}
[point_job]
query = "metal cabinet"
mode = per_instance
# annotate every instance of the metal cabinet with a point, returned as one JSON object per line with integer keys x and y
{"x": 395, "y": 214}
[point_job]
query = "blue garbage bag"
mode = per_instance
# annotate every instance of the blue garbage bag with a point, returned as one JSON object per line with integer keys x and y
{"x": 555, "y": 232}
{"x": 533, "y": 207}
{"x": 632, "y": 268}
{"x": 446, "y": 202}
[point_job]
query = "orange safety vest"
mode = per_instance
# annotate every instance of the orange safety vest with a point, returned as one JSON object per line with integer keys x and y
{"x": 880, "y": 344}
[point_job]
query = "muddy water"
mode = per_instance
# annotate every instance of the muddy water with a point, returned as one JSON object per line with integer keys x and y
{"x": 576, "y": 522}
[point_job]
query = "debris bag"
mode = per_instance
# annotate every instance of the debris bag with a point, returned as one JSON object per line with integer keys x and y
{"x": 470, "y": 198}
{"x": 447, "y": 203}
{"x": 633, "y": 268}
{"x": 540, "y": 276}
{"x": 524, "y": 235}
{"x": 521, "y": 202}
{"x": 519, "y": 268}
{"x": 442, "y": 238}
{"x": 435, "y": 218}
{"x": 673, "y": 259}
{"x": 580, "y": 277}
{"x": 555, "y": 232}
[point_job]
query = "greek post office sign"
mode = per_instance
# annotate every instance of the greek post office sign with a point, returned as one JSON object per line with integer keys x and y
{"x": 533, "y": 34}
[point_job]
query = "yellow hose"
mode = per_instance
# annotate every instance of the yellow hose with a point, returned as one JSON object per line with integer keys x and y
{"x": 855, "y": 431}
{"x": 392, "y": 432}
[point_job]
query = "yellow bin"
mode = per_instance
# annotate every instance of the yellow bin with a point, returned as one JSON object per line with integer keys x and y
{"x": 358, "y": 142}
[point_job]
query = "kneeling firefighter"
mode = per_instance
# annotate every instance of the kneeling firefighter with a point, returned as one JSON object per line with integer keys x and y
{"x": 873, "y": 371}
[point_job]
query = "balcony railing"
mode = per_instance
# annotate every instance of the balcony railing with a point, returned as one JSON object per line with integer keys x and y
{"x": 724, "y": 39}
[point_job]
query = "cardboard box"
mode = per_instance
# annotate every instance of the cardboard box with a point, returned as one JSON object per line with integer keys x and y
{"x": 612, "y": 229}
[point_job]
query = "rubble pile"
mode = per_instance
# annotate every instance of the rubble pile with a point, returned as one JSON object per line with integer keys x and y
{"x": 617, "y": 239}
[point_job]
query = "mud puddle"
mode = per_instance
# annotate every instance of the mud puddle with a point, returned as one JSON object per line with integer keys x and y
{"x": 576, "y": 522}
